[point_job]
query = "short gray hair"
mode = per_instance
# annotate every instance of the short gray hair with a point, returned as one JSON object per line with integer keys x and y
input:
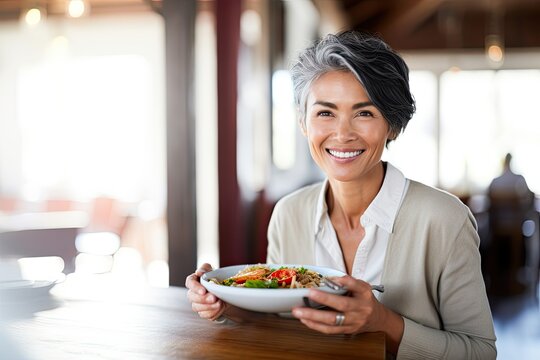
{"x": 380, "y": 70}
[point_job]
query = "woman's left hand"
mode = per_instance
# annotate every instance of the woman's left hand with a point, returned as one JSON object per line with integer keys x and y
{"x": 362, "y": 313}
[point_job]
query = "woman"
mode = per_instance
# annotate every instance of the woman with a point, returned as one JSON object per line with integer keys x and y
{"x": 368, "y": 220}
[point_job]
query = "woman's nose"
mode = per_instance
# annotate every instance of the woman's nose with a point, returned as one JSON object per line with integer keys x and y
{"x": 344, "y": 130}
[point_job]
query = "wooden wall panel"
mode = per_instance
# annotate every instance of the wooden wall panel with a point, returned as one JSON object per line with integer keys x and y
{"x": 181, "y": 197}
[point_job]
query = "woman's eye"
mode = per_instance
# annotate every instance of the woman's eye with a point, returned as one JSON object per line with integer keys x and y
{"x": 324, "y": 113}
{"x": 365, "y": 113}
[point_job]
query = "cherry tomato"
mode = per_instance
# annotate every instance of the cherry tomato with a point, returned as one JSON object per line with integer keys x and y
{"x": 283, "y": 276}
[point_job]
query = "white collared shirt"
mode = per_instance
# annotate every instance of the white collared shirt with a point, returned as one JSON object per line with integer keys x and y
{"x": 378, "y": 223}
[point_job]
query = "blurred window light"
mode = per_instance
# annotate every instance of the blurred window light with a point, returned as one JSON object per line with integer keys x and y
{"x": 253, "y": 107}
{"x": 82, "y": 111}
{"x": 284, "y": 122}
{"x": 148, "y": 210}
{"x": 157, "y": 273}
{"x": 468, "y": 130}
{"x": 206, "y": 156}
{"x": 41, "y": 268}
{"x": 128, "y": 264}
{"x": 519, "y": 127}
{"x": 59, "y": 45}
{"x": 415, "y": 151}
{"x": 250, "y": 27}
{"x": 82, "y": 115}
{"x": 93, "y": 264}
{"x": 97, "y": 243}
{"x": 484, "y": 115}
{"x": 75, "y": 121}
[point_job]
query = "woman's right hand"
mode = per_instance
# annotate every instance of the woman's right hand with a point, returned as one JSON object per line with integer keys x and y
{"x": 206, "y": 304}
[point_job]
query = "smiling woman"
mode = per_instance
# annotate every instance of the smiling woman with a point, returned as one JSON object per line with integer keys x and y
{"x": 353, "y": 95}
{"x": 369, "y": 221}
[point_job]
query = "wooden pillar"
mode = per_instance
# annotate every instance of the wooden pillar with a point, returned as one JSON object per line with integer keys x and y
{"x": 232, "y": 245}
{"x": 181, "y": 197}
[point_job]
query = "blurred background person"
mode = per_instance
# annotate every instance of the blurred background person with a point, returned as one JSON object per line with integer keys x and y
{"x": 510, "y": 184}
{"x": 513, "y": 253}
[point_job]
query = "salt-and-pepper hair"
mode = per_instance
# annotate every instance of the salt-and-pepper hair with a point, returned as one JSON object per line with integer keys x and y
{"x": 381, "y": 71}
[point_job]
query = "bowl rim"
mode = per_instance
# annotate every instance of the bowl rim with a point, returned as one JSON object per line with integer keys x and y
{"x": 210, "y": 285}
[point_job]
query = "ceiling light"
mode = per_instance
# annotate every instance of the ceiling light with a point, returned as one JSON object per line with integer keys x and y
{"x": 495, "y": 49}
{"x": 76, "y": 8}
{"x": 495, "y": 53}
{"x": 33, "y": 16}
{"x": 494, "y": 42}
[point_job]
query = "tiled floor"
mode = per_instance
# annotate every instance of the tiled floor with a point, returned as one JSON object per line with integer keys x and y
{"x": 517, "y": 326}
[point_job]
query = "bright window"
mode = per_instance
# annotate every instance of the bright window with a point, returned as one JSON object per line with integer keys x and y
{"x": 415, "y": 151}
{"x": 80, "y": 111}
{"x": 519, "y": 128}
{"x": 284, "y": 123}
{"x": 484, "y": 115}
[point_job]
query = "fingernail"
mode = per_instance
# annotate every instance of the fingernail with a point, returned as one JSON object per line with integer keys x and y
{"x": 297, "y": 313}
{"x": 200, "y": 291}
{"x": 211, "y": 298}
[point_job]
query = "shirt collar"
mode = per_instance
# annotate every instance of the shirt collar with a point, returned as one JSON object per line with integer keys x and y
{"x": 383, "y": 209}
{"x": 322, "y": 208}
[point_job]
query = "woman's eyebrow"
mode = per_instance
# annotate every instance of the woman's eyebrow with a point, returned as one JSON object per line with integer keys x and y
{"x": 334, "y": 106}
{"x": 362, "y": 104}
{"x": 325, "y": 103}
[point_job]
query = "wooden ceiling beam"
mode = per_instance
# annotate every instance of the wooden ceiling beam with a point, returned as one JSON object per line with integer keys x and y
{"x": 11, "y": 9}
{"x": 364, "y": 10}
{"x": 406, "y": 15}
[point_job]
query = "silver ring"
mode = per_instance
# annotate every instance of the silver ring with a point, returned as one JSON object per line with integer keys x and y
{"x": 340, "y": 319}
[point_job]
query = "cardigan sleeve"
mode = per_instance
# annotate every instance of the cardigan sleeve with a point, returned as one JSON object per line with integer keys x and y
{"x": 467, "y": 327}
{"x": 290, "y": 231}
{"x": 273, "y": 251}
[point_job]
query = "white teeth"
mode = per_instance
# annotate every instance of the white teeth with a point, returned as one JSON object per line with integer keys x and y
{"x": 345, "y": 155}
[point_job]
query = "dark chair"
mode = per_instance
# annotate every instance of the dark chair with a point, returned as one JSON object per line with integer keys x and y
{"x": 41, "y": 242}
{"x": 513, "y": 257}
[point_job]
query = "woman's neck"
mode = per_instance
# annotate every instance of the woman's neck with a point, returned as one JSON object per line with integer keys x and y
{"x": 349, "y": 200}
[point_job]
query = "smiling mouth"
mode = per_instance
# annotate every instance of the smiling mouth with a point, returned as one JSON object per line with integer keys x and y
{"x": 344, "y": 154}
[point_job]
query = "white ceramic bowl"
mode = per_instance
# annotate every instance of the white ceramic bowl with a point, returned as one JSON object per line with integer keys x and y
{"x": 263, "y": 300}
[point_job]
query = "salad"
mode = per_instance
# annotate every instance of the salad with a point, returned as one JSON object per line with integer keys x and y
{"x": 265, "y": 277}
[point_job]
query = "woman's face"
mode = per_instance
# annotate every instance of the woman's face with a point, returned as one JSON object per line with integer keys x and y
{"x": 346, "y": 132}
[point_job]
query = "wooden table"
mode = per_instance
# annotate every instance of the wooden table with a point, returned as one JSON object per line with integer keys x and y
{"x": 80, "y": 322}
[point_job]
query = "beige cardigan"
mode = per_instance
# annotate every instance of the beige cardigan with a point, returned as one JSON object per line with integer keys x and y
{"x": 431, "y": 273}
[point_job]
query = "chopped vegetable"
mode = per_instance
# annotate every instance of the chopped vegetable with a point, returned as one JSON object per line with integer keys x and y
{"x": 228, "y": 282}
{"x": 283, "y": 276}
{"x": 263, "y": 284}
{"x": 251, "y": 275}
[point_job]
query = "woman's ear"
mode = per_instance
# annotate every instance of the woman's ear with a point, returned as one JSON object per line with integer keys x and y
{"x": 392, "y": 134}
{"x": 302, "y": 124}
